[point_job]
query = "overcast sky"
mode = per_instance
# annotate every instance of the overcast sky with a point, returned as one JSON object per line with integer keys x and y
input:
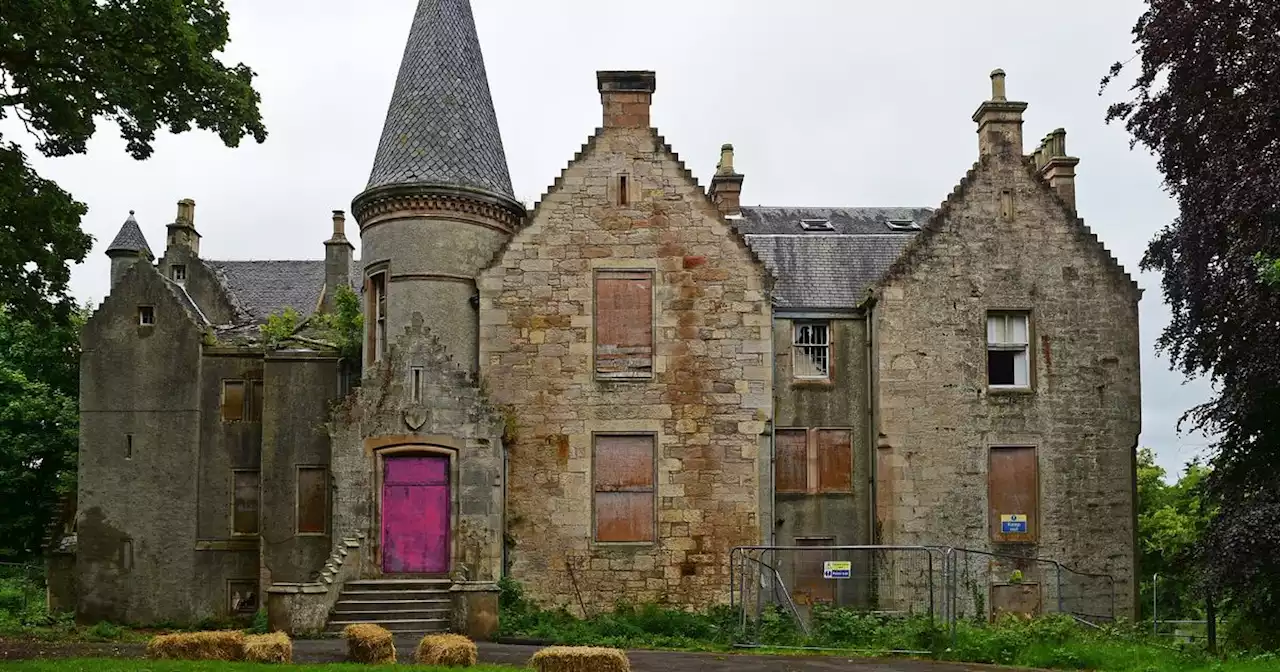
{"x": 828, "y": 102}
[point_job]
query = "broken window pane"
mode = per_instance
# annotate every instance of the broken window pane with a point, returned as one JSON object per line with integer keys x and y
{"x": 1008, "y": 352}
{"x": 811, "y": 352}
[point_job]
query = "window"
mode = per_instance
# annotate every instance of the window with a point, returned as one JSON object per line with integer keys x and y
{"x": 811, "y": 351}
{"x": 146, "y": 316}
{"x": 813, "y": 461}
{"x": 313, "y": 500}
{"x": 377, "y": 316}
{"x": 1013, "y": 494}
{"x": 178, "y": 272}
{"x": 126, "y": 554}
{"x": 244, "y": 515}
{"x": 128, "y": 446}
{"x": 415, "y": 380}
{"x": 816, "y": 225}
{"x": 624, "y": 324}
{"x": 242, "y": 401}
{"x": 791, "y": 461}
{"x": 242, "y": 596}
{"x": 624, "y": 495}
{"x": 624, "y": 197}
{"x": 1007, "y": 352}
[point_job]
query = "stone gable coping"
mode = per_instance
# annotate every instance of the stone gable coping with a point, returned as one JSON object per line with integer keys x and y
{"x": 193, "y": 316}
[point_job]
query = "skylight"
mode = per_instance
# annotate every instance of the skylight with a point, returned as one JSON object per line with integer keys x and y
{"x": 816, "y": 225}
{"x": 902, "y": 224}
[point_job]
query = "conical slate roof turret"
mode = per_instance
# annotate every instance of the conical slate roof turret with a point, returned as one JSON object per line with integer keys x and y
{"x": 130, "y": 239}
{"x": 441, "y": 129}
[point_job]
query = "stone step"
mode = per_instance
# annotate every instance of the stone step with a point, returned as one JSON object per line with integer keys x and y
{"x": 416, "y": 626}
{"x": 374, "y": 595}
{"x": 400, "y": 584}
{"x": 378, "y": 616}
{"x": 387, "y": 604}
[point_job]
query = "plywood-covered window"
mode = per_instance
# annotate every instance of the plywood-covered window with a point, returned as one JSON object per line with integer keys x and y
{"x": 1013, "y": 494}
{"x": 812, "y": 586}
{"x": 623, "y": 467}
{"x": 245, "y": 498}
{"x": 1008, "y": 350}
{"x": 376, "y": 307}
{"x": 313, "y": 499}
{"x": 813, "y": 461}
{"x": 624, "y": 324}
{"x": 242, "y": 401}
{"x": 791, "y": 460}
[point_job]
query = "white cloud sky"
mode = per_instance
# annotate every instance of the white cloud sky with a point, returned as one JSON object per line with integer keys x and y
{"x": 828, "y": 102}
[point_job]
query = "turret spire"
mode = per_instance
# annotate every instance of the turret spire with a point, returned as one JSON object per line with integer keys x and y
{"x": 130, "y": 240}
{"x": 441, "y": 129}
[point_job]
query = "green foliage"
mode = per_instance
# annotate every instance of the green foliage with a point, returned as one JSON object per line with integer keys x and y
{"x": 279, "y": 327}
{"x": 260, "y": 626}
{"x": 65, "y": 64}
{"x": 344, "y": 327}
{"x": 104, "y": 632}
{"x": 1171, "y": 522}
{"x": 1268, "y": 269}
{"x": 39, "y": 427}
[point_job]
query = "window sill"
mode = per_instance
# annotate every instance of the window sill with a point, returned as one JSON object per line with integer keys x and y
{"x": 623, "y": 545}
{"x": 812, "y": 382}
{"x": 311, "y": 534}
{"x": 1010, "y": 389}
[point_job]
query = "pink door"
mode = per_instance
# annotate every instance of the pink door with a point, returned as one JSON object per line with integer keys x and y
{"x": 415, "y": 515}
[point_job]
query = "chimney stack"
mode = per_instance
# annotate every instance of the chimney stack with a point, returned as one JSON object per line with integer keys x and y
{"x": 999, "y": 121}
{"x": 1058, "y": 169}
{"x": 726, "y": 185}
{"x": 337, "y": 261}
{"x": 627, "y": 96}
{"x": 183, "y": 240}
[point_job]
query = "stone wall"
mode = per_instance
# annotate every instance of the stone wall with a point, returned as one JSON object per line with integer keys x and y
{"x": 1004, "y": 241}
{"x": 706, "y": 403}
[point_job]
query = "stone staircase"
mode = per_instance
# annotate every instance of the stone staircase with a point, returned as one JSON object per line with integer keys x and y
{"x": 415, "y": 606}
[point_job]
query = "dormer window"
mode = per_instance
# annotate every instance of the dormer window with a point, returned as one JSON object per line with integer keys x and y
{"x": 816, "y": 225}
{"x": 178, "y": 272}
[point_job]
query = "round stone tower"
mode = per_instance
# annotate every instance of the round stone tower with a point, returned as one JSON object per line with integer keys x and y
{"x": 439, "y": 202}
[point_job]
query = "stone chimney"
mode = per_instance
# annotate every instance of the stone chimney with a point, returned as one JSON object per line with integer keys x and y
{"x": 726, "y": 185}
{"x": 999, "y": 121}
{"x": 183, "y": 237}
{"x": 337, "y": 260}
{"x": 627, "y": 96}
{"x": 1058, "y": 169}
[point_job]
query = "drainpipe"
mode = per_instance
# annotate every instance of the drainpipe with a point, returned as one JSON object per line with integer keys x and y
{"x": 872, "y": 430}
{"x": 502, "y": 534}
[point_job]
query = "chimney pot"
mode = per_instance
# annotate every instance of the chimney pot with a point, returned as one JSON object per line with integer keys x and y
{"x": 726, "y": 160}
{"x": 187, "y": 211}
{"x": 627, "y": 96}
{"x": 997, "y": 85}
{"x": 339, "y": 223}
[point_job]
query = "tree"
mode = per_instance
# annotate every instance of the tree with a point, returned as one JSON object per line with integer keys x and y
{"x": 1206, "y": 101}
{"x": 1171, "y": 522}
{"x": 39, "y": 395}
{"x": 64, "y": 64}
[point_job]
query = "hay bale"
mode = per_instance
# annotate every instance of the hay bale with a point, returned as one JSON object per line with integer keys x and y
{"x": 370, "y": 644}
{"x": 227, "y": 645}
{"x": 273, "y": 648}
{"x": 446, "y": 650}
{"x": 579, "y": 659}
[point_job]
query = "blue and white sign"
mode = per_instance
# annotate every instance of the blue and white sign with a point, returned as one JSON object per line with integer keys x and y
{"x": 837, "y": 569}
{"x": 1015, "y": 523}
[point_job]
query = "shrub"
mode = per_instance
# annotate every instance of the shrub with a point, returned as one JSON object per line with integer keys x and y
{"x": 227, "y": 645}
{"x": 447, "y": 650}
{"x": 273, "y": 648}
{"x": 579, "y": 659}
{"x": 104, "y": 632}
{"x": 260, "y": 625}
{"x": 370, "y": 644}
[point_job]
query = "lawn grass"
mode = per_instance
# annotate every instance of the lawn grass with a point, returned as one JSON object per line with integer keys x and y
{"x": 125, "y": 665}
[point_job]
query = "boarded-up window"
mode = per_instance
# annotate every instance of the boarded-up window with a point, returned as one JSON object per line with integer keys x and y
{"x": 812, "y": 587}
{"x": 253, "y": 404}
{"x": 624, "y": 324}
{"x": 835, "y": 460}
{"x": 1013, "y": 494}
{"x": 233, "y": 398}
{"x": 244, "y": 517}
{"x": 313, "y": 500}
{"x": 792, "y": 461}
{"x": 624, "y": 494}
{"x": 813, "y": 461}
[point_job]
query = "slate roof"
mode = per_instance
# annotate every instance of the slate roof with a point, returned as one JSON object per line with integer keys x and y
{"x": 441, "y": 127}
{"x": 826, "y": 272}
{"x": 260, "y": 288}
{"x": 760, "y": 219}
{"x": 130, "y": 238}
